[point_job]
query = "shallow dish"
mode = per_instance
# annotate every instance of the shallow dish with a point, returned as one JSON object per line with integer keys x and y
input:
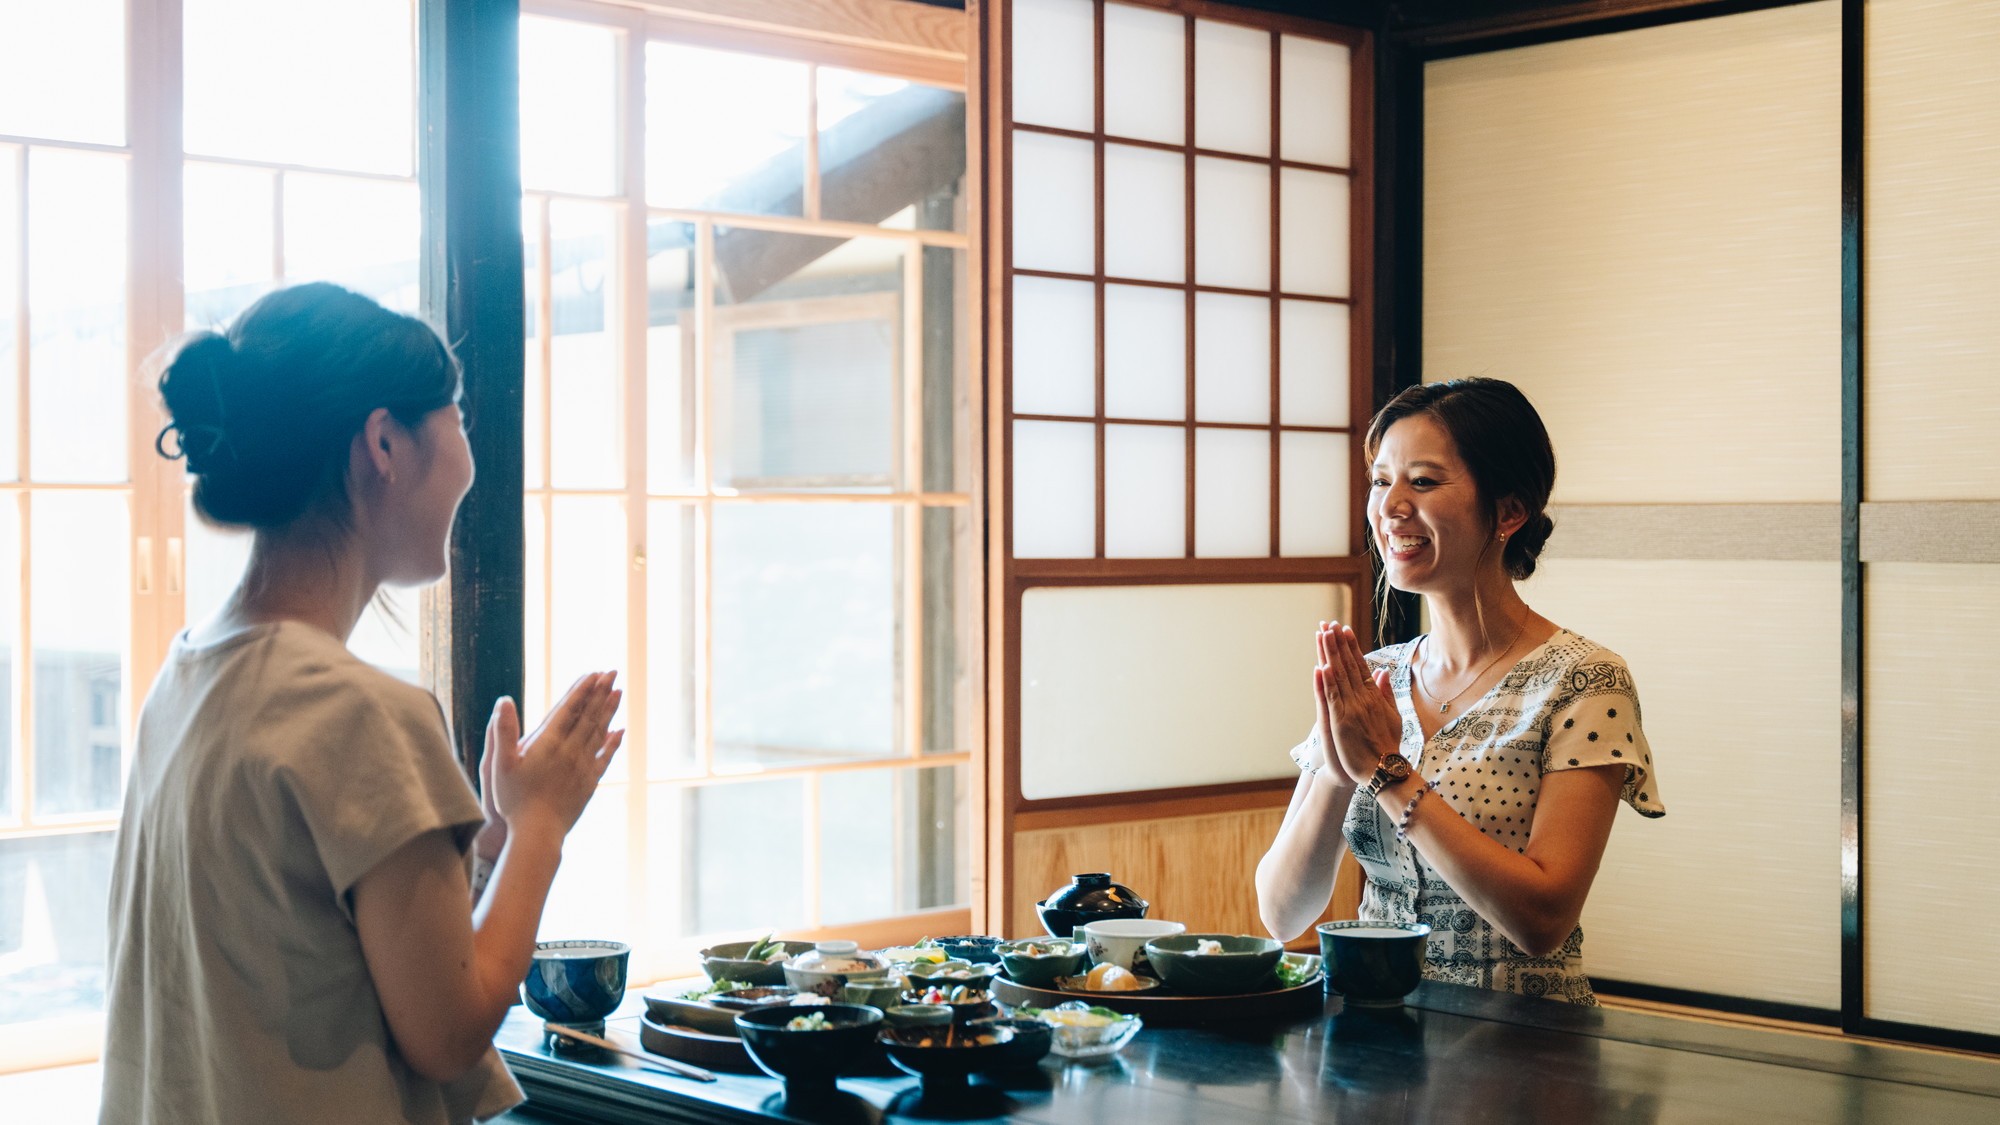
{"x": 725, "y": 962}
{"x": 980, "y": 948}
{"x": 1078, "y": 984}
{"x": 1040, "y": 970}
{"x": 1083, "y": 1031}
{"x": 950, "y": 974}
{"x": 1244, "y": 965}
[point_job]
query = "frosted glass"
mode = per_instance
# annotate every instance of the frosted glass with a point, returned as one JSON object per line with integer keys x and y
{"x": 1145, "y": 352}
{"x": 1724, "y": 754}
{"x": 1313, "y": 480}
{"x": 62, "y": 70}
{"x": 1312, "y": 227}
{"x": 1052, "y": 48}
{"x": 1232, "y": 88}
{"x": 1145, "y": 492}
{"x": 1232, "y": 493}
{"x": 1232, "y": 223}
{"x": 1145, "y": 232}
{"x": 1931, "y": 652}
{"x": 1055, "y": 490}
{"x": 1119, "y": 684}
{"x": 1055, "y": 184}
{"x": 1314, "y": 80}
{"x": 1055, "y": 347}
{"x": 1313, "y": 356}
{"x": 1145, "y": 73}
{"x": 1570, "y": 243}
{"x": 1232, "y": 358}
{"x": 1930, "y": 402}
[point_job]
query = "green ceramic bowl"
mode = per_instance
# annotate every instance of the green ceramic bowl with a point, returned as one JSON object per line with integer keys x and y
{"x": 725, "y": 962}
{"x": 876, "y": 992}
{"x": 1244, "y": 965}
{"x": 950, "y": 974}
{"x": 1041, "y": 970}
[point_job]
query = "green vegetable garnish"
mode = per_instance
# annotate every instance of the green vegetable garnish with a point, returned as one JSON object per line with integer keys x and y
{"x": 813, "y": 1022}
{"x": 703, "y": 992}
{"x": 765, "y": 948}
{"x": 1292, "y": 973}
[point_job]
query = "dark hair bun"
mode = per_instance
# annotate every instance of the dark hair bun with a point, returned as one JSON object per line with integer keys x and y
{"x": 265, "y": 412}
{"x": 1525, "y": 545}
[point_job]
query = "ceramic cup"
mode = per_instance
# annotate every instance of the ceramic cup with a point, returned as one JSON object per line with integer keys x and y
{"x": 1122, "y": 941}
{"x": 1373, "y": 964}
{"x": 576, "y": 982}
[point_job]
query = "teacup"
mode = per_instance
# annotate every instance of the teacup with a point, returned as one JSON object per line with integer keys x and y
{"x": 1122, "y": 941}
{"x": 1373, "y": 964}
{"x": 576, "y": 982}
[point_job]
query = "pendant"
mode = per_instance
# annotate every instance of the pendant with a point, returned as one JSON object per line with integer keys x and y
{"x": 1444, "y": 708}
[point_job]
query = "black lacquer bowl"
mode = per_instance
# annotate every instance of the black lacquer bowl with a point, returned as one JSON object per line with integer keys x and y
{"x": 945, "y": 1068}
{"x": 809, "y": 1061}
{"x": 1089, "y": 898}
{"x": 1373, "y": 964}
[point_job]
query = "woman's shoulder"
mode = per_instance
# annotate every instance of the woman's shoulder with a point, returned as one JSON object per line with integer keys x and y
{"x": 1571, "y": 663}
{"x": 305, "y": 678}
{"x": 1388, "y": 656}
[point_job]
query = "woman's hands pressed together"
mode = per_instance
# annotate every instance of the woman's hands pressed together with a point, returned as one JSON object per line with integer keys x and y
{"x": 1360, "y": 709}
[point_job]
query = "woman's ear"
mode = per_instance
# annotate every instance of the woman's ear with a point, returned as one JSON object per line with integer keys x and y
{"x": 377, "y": 443}
{"x": 1509, "y": 514}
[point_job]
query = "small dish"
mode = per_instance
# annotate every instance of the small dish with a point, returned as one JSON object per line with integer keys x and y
{"x": 917, "y": 1015}
{"x": 979, "y": 948}
{"x": 942, "y": 1058}
{"x": 1122, "y": 941}
{"x": 830, "y": 965}
{"x": 1243, "y": 964}
{"x": 950, "y": 974}
{"x": 875, "y": 992}
{"x": 1032, "y": 1039}
{"x": 725, "y": 962}
{"x": 1063, "y": 958}
{"x": 1081, "y": 1031}
{"x": 807, "y": 1062}
{"x": 744, "y": 999}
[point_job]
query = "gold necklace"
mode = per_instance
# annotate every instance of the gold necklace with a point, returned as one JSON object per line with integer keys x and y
{"x": 1444, "y": 708}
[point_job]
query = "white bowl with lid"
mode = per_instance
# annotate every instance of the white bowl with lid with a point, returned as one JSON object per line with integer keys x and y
{"x": 829, "y": 965}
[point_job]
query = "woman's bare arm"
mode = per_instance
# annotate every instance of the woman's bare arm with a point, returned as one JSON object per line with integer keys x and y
{"x": 1295, "y": 877}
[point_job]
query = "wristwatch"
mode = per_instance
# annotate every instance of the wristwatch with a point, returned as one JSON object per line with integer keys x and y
{"x": 1394, "y": 768}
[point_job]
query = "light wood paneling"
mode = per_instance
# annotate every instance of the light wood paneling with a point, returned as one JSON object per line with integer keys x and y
{"x": 1640, "y": 230}
{"x": 1200, "y": 870}
{"x": 1929, "y": 401}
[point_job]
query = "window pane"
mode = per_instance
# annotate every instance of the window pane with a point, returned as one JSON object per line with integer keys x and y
{"x": 1145, "y": 352}
{"x": 1145, "y": 234}
{"x": 1054, "y": 203}
{"x": 62, "y": 70}
{"x": 1313, "y": 214}
{"x": 214, "y": 564}
{"x": 950, "y": 601}
{"x": 10, "y": 301}
{"x": 586, "y": 433}
{"x": 887, "y": 843}
{"x": 1313, "y": 355}
{"x": 1312, "y": 493}
{"x": 591, "y": 898}
{"x": 569, "y": 107}
{"x": 80, "y": 582}
{"x": 52, "y": 948}
{"x": 725, "y": 131}
{"x": 1313, "y": 82}
{"x": 363, "y": 234}
{"x": 949, "y": 463}
{"x": 534, "y": 450}
{"x": 290, "y": 82}
{"x": 1055, "y": 490}
{"x": 1145, "y": 492}
{"x": 1232, "y": 223}
{"x": 76, "y": 313}
{"x": 746, "y": 846}
{"x": 10, "y": 633}
{"x": 805, "y": 632}
{"x": 1232, "y": 358}
{"x": 535, "y": 694}
{"x": 671, "y": 403}
{"x": 672, "y": 638}
{"x": 587, "y": 599}
{"x": 1145, "y": 71}
{"x": 888, "y": 146}
{"x": 1232, "y": 493}
{"x": 1232, "y": 88}
{"x": 386, "y": 635}
{"x": 1055, "y": 340}
{"x": 227, "y": 255}
{"x": 1053, "y": 46}
{"x": 808, "y": 360}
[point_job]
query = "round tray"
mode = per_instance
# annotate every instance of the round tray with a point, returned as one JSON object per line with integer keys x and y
{"x": 720, "y": 1052}
{"x": 1162, "y": 1008}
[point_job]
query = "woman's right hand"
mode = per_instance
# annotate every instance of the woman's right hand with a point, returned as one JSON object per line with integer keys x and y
{"x": 546, "y": 779}
{"x": 1322, "y": 748}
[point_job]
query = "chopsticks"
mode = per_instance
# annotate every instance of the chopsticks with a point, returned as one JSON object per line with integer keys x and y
{"x": 681, "y": 1070}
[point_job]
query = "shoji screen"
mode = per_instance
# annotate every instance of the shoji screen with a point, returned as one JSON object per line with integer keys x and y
{"x": 1930, "y": 542}
{"x": 1641, "y": 230}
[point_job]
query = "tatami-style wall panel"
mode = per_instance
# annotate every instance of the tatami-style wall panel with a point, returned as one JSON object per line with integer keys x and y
{"x": 1931, "y": 860}
{"x": 1642, "y": 231}
{"x": 1931, "y": 397}
{"x": 1738, "y": 669}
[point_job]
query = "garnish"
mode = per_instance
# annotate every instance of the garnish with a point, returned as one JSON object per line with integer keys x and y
{"x": 812, "y": 1021}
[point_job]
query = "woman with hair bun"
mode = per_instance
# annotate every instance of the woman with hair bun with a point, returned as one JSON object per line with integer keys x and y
{"x": 295, "y": 934}
{"x": 1474, "y": 771}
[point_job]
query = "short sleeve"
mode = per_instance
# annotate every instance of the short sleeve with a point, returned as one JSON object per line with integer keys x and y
{"x": 1594, "y": 721}
{"x": 370, "y": 768}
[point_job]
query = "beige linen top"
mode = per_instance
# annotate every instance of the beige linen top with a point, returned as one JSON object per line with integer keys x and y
{"x": 270, "y": 772}
{"x": 1569, "y": 704}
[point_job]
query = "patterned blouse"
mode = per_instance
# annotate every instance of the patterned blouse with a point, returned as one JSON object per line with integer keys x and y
{"x": 1568, "y": 704}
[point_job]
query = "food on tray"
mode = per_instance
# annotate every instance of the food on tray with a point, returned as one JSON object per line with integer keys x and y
{"x": 904, "y": 954}
{"x": 766, "y": 949}
{"x": 1207, "y": 945}
{"x": 1112, "y": 978}
{"x": 1294, "y": 970}
{"x": 707, "y": 989}
{"x": 946, "y": 1036}
{"x": 1075, "y": 1017}
{"x": 811, "y": 1021}
{"x": 961, "y": 994}
{"x": 1043, "y": 949}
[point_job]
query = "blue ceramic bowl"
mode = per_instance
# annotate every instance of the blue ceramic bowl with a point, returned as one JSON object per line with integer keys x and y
{"x": 1373, "y": 964}
{"x": 576, "y": 981}
{"x": 979, "y": 949}
{"x": 811, "y": 1060}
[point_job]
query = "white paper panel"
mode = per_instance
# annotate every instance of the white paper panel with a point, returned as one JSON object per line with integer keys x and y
{"x": 1738, "y": 671}
{"x": 1055, "y": 185}
{"x": 1145, "y": 74}
{"x": 1232, "y": 493}
{"x": 1313, "y": 111}
{"x": 1055, "y": 346}
{"x": 1153, "y": 687}
{"x": 1145, "y": 352}
{"x": 1145, "y": 230}
{"x": 1312, "y": 363}
{"x": 1312, "y": 225}
{"x": 1232, "y": 88}
{"x": 1930, "y": 399}
{"x": 1145, "y": 492}
{"x": 1055, "y": 490}
{"x": 1052, "y": 49}
{"x": 1313, "y": 479}
{"x": 1232, "y": 358}
{"x": 1932, "y": 658}
{"x": 1643, "y": 227}
{"x": 1232, "y": 223}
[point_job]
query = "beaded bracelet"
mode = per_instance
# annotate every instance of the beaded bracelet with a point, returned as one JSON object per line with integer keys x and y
{"x": 1410, "y": 810}
{"x": 482, "y": 872}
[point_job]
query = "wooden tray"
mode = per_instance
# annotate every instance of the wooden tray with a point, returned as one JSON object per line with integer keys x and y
{"x": 1175, "y": 1009}
{"x": 719, "y": 1052}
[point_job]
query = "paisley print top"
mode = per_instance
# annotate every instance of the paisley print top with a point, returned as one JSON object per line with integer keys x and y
{"x": 1568, "y": 704}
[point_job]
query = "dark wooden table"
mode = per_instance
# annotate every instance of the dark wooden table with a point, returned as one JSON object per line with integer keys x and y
{"x": 1453, "y": 1055}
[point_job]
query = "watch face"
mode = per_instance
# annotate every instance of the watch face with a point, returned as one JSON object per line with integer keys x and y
{"x": 1396, "y": 766}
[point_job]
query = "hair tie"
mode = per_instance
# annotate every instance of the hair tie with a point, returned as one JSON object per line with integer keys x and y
{"x": 206, "y": 448}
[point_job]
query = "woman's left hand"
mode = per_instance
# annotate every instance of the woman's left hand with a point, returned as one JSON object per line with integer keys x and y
{"x": 1366, "y": 724}
{"x": 493, "y": 835}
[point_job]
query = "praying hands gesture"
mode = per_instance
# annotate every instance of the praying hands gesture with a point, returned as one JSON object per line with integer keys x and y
{"x": 1356, "y": 708}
